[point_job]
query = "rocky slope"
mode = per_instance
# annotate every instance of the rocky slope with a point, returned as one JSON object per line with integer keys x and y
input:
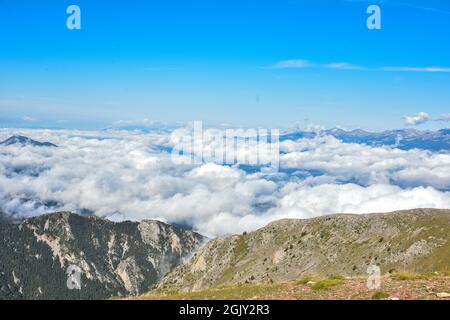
{"x": 115, "y": 258}
{"x": 414, "y": 240}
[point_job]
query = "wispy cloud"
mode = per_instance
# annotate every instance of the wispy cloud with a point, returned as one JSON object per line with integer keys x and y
{"x": 424, "y": 117}
{"x": 29, "y": 119}
{"x": 416, "y": 69}
{"x": 403, "y": 4}
{"x": 444, "y": 117}
{"x": 302, "y": 63}
{"x": 343, "y": 66}
{"x": 292, "y": 64}
{"x": 414, "y": 6}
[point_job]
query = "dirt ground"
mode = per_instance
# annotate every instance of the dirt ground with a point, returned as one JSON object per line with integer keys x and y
{"x": 434, "y": 288}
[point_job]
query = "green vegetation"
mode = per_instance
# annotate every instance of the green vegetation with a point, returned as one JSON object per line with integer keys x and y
{"x": 318, "y": 283}
{"x": 405, "y": 275}
{"x": 335, "y": 288}
{"x": 328, "y": 283}
{"x": 305, "y": 280}
{"x": 241, "y": 246}
{"x": 380, "y": 295}
{"x": 244, "y": 291}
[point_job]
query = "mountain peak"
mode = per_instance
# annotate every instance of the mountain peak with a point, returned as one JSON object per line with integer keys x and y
{"x": 24, "y": 141}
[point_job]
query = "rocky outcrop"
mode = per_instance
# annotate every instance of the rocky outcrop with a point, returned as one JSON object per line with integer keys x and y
{"x": 115, "y": 259}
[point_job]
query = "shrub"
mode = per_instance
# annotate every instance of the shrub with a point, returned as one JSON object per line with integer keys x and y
{"x": 328, "y": 283}
{"x": 304, "y": 280}
{"x": 379, "y": 295}
{"x": 403, "y": 276}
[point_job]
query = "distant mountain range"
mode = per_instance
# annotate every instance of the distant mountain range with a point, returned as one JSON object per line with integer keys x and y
{"x": 115, "y": 259}
{"x": 24, "y": 141}
{"x": 405, "y": 139}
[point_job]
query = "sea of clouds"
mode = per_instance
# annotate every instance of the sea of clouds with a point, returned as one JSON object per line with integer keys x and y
{"x": 130, "y": 175}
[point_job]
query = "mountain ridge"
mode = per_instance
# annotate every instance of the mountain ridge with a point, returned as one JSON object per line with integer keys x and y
{"x": 405, "y": 139}
{"x": 131, "y": 258}
{"x": 115, "y": 258}
{"x": 341, "y": 244}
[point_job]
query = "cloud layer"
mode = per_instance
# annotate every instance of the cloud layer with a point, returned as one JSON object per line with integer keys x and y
{"x": 130, "y": 175}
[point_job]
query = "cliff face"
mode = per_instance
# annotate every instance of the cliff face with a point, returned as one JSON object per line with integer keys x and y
{"x": 124, "y": 258}
{"x": 414, "y": 240}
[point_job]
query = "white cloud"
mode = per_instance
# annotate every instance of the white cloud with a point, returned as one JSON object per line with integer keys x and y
{"x": 344, "y": 162}
{"x": 309, "y": 201}
{"x": 292, "y": 64}
{"x": 343, "y": 66}
{"x": 29, "y": 119}
{"x": 417, "y": 69}
{"x": 301, "y": 63}
{"x": 125, "y": 175}
{"x": 423, "y": 117}
{"x": 419, "y": 118}
{"x": 404, "y": 4}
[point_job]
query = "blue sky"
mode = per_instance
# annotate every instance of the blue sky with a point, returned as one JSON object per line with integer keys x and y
{"x": 250, "y": 63}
